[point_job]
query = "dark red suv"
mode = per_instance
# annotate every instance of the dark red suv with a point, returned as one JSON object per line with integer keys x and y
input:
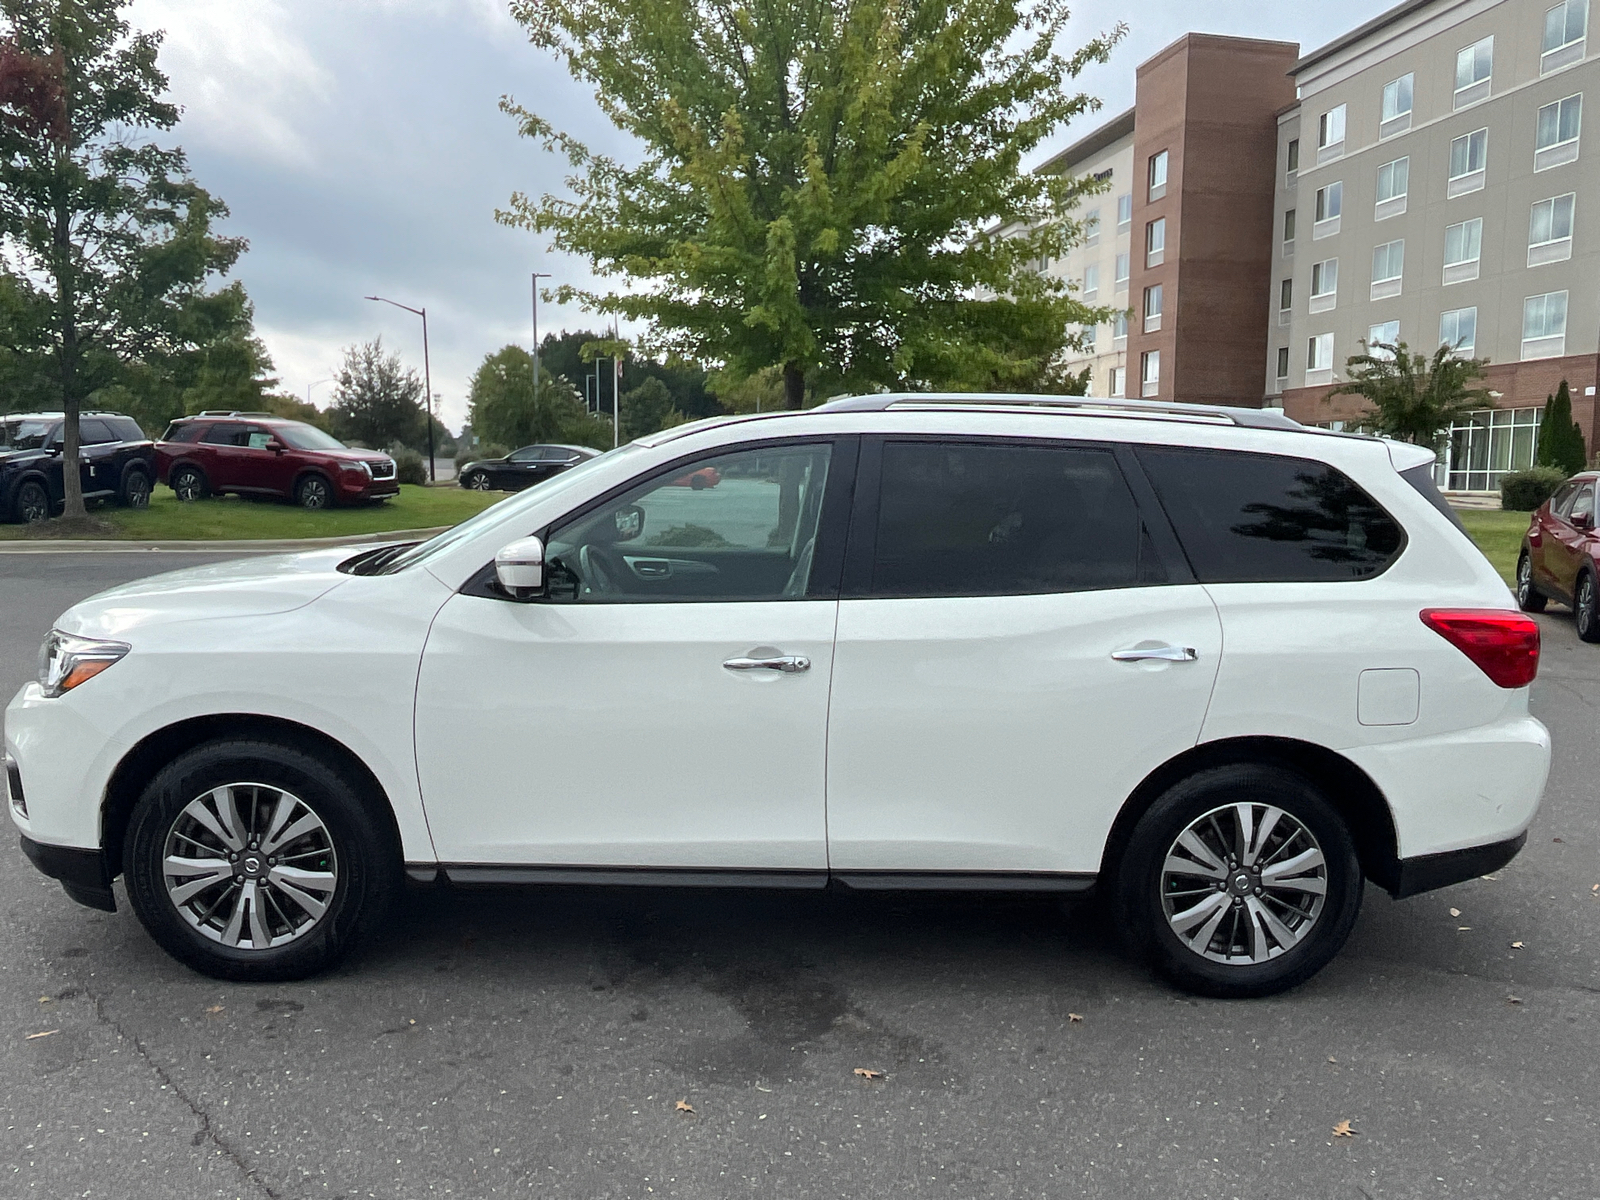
{"x": 1560, "y": 557}
{"x": 258, "y": 454}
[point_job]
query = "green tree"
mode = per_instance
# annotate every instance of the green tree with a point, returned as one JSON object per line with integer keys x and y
{"x": 1413, "y": 398}
{"x": 501, "y": 408}
{"x": 1560, "y": 442}
{"x": 110, "y": 242}
{"x": 647, "y": 409}
{"x": 830, "y": 188}
{"x": 376, "y": 400}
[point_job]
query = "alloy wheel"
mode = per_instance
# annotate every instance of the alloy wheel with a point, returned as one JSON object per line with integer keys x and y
{"x": 250, "y": 866}
{"x": 187, "y": 485}
{"x": 479, "y": 482}
{"x": 1585, "y": 605}
{"x": 138, "y": 491}
{"x": 1243, "y": 883}
{"x": 33, "y": 504}
{"x": 313, "y": 494}
{"x": 1524, "y": 579}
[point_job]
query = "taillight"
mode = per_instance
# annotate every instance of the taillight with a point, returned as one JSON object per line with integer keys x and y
{"x": 1504, "y": 645}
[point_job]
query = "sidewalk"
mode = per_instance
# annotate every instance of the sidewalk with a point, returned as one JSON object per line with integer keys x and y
{"x": 244, "y": 546}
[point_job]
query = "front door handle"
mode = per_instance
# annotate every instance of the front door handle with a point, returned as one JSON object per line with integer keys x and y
{"x": 1163, "y": 653}
{"x": 789, "y": 664}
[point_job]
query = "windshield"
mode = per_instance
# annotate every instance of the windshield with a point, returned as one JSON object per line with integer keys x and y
{"x": 423, "y": 551}
{"x": 26, "y": 434}
{"x": 307, "y": 437}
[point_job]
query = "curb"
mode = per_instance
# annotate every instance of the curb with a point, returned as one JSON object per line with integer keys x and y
{"x": 245, "y": 546}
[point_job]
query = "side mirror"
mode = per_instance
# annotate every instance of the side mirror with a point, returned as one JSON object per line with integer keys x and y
{"x": 630, "y": 522}
{"x": 1583, "y": 521}
{"x": 275, "y": 445}
{"x": 519, "y": 568}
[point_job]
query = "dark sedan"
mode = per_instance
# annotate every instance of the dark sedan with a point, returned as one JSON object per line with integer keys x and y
{"x": 522, "y": 468}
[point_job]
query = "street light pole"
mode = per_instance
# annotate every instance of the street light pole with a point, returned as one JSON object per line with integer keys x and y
{"x": 427, "y": 372}
{"x": 537, "y": 275}
{"x": 317, "y": 384}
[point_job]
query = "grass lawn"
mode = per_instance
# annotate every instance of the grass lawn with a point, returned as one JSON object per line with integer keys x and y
{"x": 229, "y": 517}
{"x": 1498, "y": 534}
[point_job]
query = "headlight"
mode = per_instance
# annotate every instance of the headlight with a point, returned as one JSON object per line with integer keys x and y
{"x": 358, "y": 466}
{"x": 66, "y": 660}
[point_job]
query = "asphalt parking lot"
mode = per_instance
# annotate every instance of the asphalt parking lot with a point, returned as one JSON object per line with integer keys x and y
{"x": 537, "y": 1042}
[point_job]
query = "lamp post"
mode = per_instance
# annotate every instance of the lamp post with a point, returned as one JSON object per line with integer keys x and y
{"x": 427, "y": 374}
{"x": 537, "y": 275}
{"x": 317, "y": 384}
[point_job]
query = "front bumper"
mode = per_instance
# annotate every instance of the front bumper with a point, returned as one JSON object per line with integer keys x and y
{"x": 359, "y": 487}
{"x": 83, "y": 873}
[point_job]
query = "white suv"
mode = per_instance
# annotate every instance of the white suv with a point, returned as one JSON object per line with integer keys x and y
{"x": 1213, "y": 664}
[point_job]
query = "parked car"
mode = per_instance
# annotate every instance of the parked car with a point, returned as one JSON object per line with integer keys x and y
{"x": 1560, "y": 556}
{"x": 1217, "y": 666}
{"x": 258, "y": 454}
{"x": 522, "y": 468}
{"x": 116, "y": 463}
{"x": 699, "y": 480}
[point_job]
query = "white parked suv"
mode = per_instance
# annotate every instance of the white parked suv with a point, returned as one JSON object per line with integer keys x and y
{"x": 1219, "y": 667}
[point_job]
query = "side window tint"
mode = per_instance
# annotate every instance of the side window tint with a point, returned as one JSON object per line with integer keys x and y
{"x": 986, "y": 519}
{"x": 256, "y": 437}
{"x": 126, "y": 429}
{"x": 1583, "y": 503}
{"x": 735, "y": 527}
{"x": 1562, "y": 498}
{"x": 526, "y": 454}
{"x": 225, "y": 435}
{"x": 1258, "y": 518}
{"x": 94, "y": 432}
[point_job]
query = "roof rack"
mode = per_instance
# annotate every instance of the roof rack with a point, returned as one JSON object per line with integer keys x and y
{"x": 1250, "y": 418}
{"x": 230, "y": 412}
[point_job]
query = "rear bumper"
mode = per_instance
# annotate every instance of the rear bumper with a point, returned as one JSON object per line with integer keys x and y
{"x": 1454, "y": 866}
{"x": 83, "y": 873}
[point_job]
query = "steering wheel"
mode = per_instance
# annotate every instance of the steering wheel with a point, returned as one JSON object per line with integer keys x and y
{"x": 595, "y": 576}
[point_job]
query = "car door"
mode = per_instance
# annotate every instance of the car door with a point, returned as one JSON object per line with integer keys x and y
{"x": 1564, "y": 545}
{"x": 97, "y": 456}
{"x": 1019, "y": 644}
{"x": 521, "y": 467}
{"x": 1542, "y": 533}
{"x": 665, "y": 703}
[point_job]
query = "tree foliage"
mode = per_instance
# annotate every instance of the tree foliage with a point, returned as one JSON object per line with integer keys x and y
{"x": 573, "y": 355}
{"x": 647, "y": 409}
{"x": 109, "y": 244}
{"x": 1560, "y": 442}
{"x": 1413, "y": 398}
{"x": 832, "y": 188}
{"x": 501, "y": 408}
{"x": 377, "y": 401}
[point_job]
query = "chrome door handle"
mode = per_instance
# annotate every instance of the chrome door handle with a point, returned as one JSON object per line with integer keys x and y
{"x": 1164, "y": 653}
{"x": 789, "y": 664}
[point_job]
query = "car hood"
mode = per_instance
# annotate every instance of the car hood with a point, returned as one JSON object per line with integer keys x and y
{"x": 354, "y": 455}
{"x": 252, "y": 587}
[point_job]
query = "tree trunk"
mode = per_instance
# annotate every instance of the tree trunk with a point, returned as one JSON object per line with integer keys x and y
{"x": 67, "y": 318}
{"x": 794, "y": 386}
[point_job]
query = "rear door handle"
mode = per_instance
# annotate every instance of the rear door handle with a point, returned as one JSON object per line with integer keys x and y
{"x": 1163, "y": 653}
{"x": 789, "y": 664}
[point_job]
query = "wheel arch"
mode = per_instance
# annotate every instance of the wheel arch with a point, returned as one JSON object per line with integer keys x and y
{"x": 25, "y": 476}
{"x": 1346, "y": 786}
{"x": 141, "y": 764}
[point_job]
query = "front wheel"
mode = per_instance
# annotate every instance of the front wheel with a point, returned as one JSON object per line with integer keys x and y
{"x": 1240, "y": 881}
{"x": 1583, "y": 608}
{"x": 478, "y": 482}
{"x": 313, "y": 492}
{"x": 1529, "y": 598}
{"x": 33, "y": 503}
{"x": 256, "y": 861}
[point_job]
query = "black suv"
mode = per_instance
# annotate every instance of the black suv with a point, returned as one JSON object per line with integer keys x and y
{"x": 116, "y": 462}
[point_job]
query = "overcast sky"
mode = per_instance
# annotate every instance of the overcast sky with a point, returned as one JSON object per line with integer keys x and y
{"x": 359, "y": 146}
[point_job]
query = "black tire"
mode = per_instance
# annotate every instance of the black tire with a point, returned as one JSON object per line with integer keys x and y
{"x": 1584, "y": 612}
{"x": 313, "y": 492}
{"x": 479, "y": 482}
{"x": 32, "y": 503}
{"x": 1529, "y": 597}
{"x": 188, "y": 482}
{"x": 368, "y": 862}
{"x": 1144, "y": 887}
{"x": 135, "y": 489}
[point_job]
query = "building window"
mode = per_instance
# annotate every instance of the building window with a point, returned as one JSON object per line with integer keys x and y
{"x": 1122, "y": 272}
{"x": 1380, "y": 337}
{"x": 1158, "y": 175}
{"x": 1544, "y": 326}
{"x": 1324, "y": 285}
{"x": 1483, "y": 446}
{"x": 1152, "y": 308}
{"x": 1458, "y": 329}
{"x": 1288, "y": 232}
{"x": 1124, "y": 211}
{"x": 1463, "y": 244}
{"x": 1091, "y": 282}
{"x": 1086, "y": 338}
{"x": 1155, "y": 242}
{"x": 1564, "y": 28}
{"x": 1330, "y": 135}
{"x": 1150, "y": 373}
{"x": 1469, "y": 155}
{"x": 1294, "y": 155}
{"x": 1394, "y": 181}
{"x": 1283, "y": 364}
{"x": 1550, "y": 230}
{"x": 1091, "y": 227}
{"x": 1474, "y": 65}
{"x": 1556, "y": 137}
{"x": 1388, "y": 265}
{"x": 1118, "y": 383}
{"x": 1319, "y": 359}
{"x": 1396, "y": 113}
{"x": 1286, "y": 295}
{"x": 1119, "y": 327}
{"x": 1330, "y": 202}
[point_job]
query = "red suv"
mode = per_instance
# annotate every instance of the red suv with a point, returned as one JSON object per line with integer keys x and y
{"x": 1560, "y": 557}
{"x": 258, "y": 454}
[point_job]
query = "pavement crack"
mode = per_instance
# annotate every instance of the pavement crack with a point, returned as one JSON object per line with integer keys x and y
{"x": 207, "y": 1132}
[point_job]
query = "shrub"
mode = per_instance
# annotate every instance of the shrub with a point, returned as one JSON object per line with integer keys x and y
{"x": 409, "y": 466}
{"x": 1524, "y": 491}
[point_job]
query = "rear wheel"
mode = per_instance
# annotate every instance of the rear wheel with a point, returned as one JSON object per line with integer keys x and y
{"x": 257, "y": 861}
{"x": 1240, "y": 881}
{"x": 313, "y": 492}
{"x": 1583, "y": 608}
{"x": 189, "y": 483}
{"x": 33, "y": 503}
{"x": 136, "y": 489}
{"x": 1529, "y": 598}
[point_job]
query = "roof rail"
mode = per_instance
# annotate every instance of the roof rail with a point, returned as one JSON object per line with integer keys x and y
{"x": 1252, "y": 418}
{"x": 229, "y": 412}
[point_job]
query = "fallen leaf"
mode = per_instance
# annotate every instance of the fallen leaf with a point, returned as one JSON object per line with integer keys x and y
{"x": 1332, "y": 1059}
{"x": 40, "y": 1034}
{"x": 1516, "y": 945}
{"x": 1558, "y": 839}
{"x": 1513, "y": 999}
{"x": 868, "y": 1073}
{"x": 44, "y": 999}
{"x": 1455, "y": 912}
{"x": 683, "y": 1106}
{"x": 1073, "y": 1018}
{"x": 1342, "y": 1129}
{"x": 215, "y": 1008}
{"x": 1595, "y": 888}
{"x": 1491, "y": 878}
{"x": 1463, "y": 928}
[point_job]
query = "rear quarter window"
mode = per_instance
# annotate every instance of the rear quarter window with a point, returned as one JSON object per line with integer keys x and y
{"x": 1267, "y": 518}
{"x": 184, "y": 433}
{"x": 126, "y": 429}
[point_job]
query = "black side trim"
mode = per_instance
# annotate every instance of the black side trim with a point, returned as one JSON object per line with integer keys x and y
{"x": 628, "y": 876}
{"x": 965, "y": 881}
{"x": 1432, "y": 871}
{"x": 82, "y": 873}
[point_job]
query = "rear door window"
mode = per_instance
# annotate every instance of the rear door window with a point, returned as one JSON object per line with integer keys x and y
{"x": 94, "y": 432}
{"x": 1262, "y": 518}
{"x": 225, "y": 435}
{"x": 996, "y": 519}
